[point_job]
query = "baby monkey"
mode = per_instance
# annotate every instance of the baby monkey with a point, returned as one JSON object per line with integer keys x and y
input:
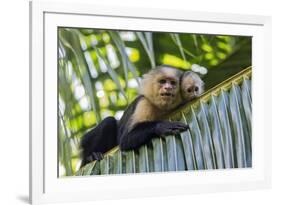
{"x": 192, "y": 86}
{"x": 162, "y": 90}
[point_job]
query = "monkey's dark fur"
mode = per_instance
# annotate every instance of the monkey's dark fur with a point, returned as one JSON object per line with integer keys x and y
{"x": 99, "y": 140}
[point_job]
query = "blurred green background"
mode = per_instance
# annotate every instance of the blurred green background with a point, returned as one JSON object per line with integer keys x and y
{"x": 99, "y": 73}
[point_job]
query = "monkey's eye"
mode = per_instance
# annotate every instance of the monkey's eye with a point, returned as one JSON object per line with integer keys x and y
{"x": 163, "y": 81}
{"x": 189, "y": 90}
{"x": 196, "y": 88}
{"x": 173, "y": 82}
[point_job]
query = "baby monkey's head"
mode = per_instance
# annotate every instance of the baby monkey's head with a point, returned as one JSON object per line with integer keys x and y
{"x": 191, "y": 86}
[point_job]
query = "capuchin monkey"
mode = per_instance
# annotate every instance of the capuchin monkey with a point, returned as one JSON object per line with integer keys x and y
{"x": 162, "y": 90}
{"x": 191, "y": 86}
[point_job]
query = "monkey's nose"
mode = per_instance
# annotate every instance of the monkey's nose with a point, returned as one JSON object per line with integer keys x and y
{"x": 167, "y": 87}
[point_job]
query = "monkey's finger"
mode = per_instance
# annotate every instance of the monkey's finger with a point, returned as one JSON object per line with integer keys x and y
{"x": 173, "y": 132}
{"x": 167, "y": 131}
{"x": 181, "y": 127}
{"x": 180, "y": 124}
{"x": 97, "y": 155}
{"x": 185, "y": 127}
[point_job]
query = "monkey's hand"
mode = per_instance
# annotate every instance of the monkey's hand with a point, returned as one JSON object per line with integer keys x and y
{"x": 91, "y": 157}
{"x": 94, "y": 156}
{"x": 170, "y": 128}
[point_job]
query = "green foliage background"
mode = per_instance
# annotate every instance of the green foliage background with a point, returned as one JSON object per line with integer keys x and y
{"x": 99, "y": 73}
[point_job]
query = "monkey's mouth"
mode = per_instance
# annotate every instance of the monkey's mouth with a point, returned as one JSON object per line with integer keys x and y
{"x": 167, "y": 95}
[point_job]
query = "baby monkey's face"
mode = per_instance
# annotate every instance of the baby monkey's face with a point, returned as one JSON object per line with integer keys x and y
{"x": 191, "y": 86}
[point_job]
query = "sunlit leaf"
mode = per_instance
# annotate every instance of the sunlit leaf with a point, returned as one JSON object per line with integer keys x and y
{"x": 175, "y": 61}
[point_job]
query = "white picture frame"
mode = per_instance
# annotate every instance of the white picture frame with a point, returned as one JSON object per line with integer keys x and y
{"x": 45, "y": 186}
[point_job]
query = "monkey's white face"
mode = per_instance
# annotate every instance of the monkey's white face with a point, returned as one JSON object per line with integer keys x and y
{"x": 166, "y": 91}
{"x": 191, "y": 86}
{"x": 161, "y": 87}
{"x": 167, "y": 87}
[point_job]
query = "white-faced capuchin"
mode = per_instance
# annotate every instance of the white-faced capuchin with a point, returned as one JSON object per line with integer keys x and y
{"x": 162, "y": 90}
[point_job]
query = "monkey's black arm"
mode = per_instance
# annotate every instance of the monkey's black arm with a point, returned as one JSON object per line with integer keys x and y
{"x": 145, "y": 131}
